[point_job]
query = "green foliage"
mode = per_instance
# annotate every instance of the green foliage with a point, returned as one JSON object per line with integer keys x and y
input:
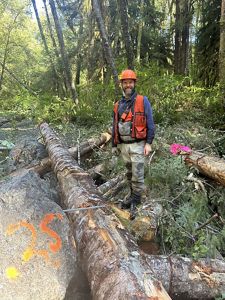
{"x": 166, "y": 172}
{"x": 207, "y": 46}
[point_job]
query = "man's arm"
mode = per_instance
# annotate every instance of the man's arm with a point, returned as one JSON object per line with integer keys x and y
{"x": 150, "y": 122}
{"x": 150, "y": 126}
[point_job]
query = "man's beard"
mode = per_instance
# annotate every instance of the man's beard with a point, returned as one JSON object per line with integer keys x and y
{"x": 128, "y": 92}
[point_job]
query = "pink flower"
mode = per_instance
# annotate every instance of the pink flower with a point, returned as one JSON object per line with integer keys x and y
{"x": 177, "y": 148}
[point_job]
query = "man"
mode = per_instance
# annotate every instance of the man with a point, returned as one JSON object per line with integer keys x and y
{"x": 132, "y": 135}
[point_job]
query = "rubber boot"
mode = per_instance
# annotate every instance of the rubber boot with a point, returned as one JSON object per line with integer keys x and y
{"x": 134, "y": 197}
{"x": 133, "y": 207}
{"x": 126, "y": 202}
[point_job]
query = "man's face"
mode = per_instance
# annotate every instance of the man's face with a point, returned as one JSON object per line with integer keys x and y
{"x": 128, "y": 86}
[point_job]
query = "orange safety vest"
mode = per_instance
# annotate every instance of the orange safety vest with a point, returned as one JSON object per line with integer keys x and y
{"x": 137, "y": 117}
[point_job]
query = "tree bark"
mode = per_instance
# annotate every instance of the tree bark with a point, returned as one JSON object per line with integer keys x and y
{"x": 108, "y": 254}
{"x": 210, "y": 166}
{"x": 51, "y": 31}
{"x": 222, "y": 51}
{"x": 86, "y": 147}
{"x": 140, "y": 27}
{"x": 106, "y": 46}
{"x": 122, "y": 4}
{"x": 65, "y": 60}
{"x": 185, "y": 278}
{"x": 182, "y": 24}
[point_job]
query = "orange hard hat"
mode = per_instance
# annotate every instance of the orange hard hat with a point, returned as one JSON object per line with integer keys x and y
{"x": 128, "y": 74}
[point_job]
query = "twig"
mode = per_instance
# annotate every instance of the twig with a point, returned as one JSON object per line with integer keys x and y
{"x": 150, "y": 160}
{"x": 196, "y": 181}
{"x": 208, "y": 221}
{"x": 78, "y": 148}
{"x": 171, "y": 201}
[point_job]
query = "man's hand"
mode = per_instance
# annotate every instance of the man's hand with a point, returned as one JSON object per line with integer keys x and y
{"x": 147, "y": 149}
{"x": 115, "y": 151}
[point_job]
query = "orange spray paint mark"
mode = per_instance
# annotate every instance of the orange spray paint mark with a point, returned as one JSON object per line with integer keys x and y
{"x": 30, "y": 251}
{"x": 54, "y": 246}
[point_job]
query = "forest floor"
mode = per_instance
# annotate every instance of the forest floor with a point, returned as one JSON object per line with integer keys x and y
{"x": 186, "y": 205}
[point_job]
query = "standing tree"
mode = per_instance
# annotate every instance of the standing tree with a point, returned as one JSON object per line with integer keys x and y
{"x": 140, "y": 27}
{"x": 182, "y": 26}
{"x": 222, "y": 50}
{"x": 105, "y": 42}
{"x": 56, "y": 79}
{"x": 65, "y": 60}
{"x": 122, "y": 4}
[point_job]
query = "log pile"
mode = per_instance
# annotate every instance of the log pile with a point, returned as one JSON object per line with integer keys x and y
{"x": 112, "y": 261}
{"x": 109, "y": 255}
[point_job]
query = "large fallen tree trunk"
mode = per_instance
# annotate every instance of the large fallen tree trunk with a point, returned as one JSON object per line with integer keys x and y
{"x": 45, "y": 165}
{"x": 185, "y": 278}
{"x": 108, "y": 253}
{"x": 210, "y": 166}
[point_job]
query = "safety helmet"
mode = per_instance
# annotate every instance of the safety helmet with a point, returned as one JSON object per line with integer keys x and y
{"x": 128, "y": 74}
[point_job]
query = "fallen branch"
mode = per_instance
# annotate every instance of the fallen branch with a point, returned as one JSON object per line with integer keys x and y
{"x": 86, "y": 147}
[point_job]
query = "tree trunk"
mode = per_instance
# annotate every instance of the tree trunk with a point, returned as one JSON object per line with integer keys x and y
{"x": 182, "y": 24}
{"x": 210, "y": 166}
{"x": 79, "y": 55}
{"x": 40, "y": 28}
{"x": 222, "y": 51}
{"x": 177, "y": 50}
{"x": 122, "y": 4}
{"x": 4, "y": 61}
{"x": 185, "y": 278}
{"x": 140, "y": 27}
{"x": 106, "y": 46}
{"x": 68, "y": 75}
{"x": 3, "y": 64}
{"x": 108, "y": 254}
{"x": 51, "y": 31}
{"x": 44, "y": 41}
{"x": 86, "y": 147}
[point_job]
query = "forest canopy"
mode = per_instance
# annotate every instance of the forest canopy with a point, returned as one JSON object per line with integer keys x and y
{"x": 61, "y": 59}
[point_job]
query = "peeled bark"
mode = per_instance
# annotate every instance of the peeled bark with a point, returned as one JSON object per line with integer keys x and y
{"x": 210, "y": 166}
{"x": 108, "y": 253}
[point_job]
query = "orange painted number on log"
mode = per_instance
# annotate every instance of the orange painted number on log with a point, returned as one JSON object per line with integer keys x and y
{"x": 54, "y": 247}
{"x": 30, "y": 251}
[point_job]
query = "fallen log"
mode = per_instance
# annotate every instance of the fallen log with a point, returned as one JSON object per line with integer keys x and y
{"x": 45, "y": 165}
{"x": 110, "y": 184}
{"x": 185, "y": 278}
{"x": 210, "y": 166}
{"x": 108, "y": 253}
{"x": 97, "y": 173}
